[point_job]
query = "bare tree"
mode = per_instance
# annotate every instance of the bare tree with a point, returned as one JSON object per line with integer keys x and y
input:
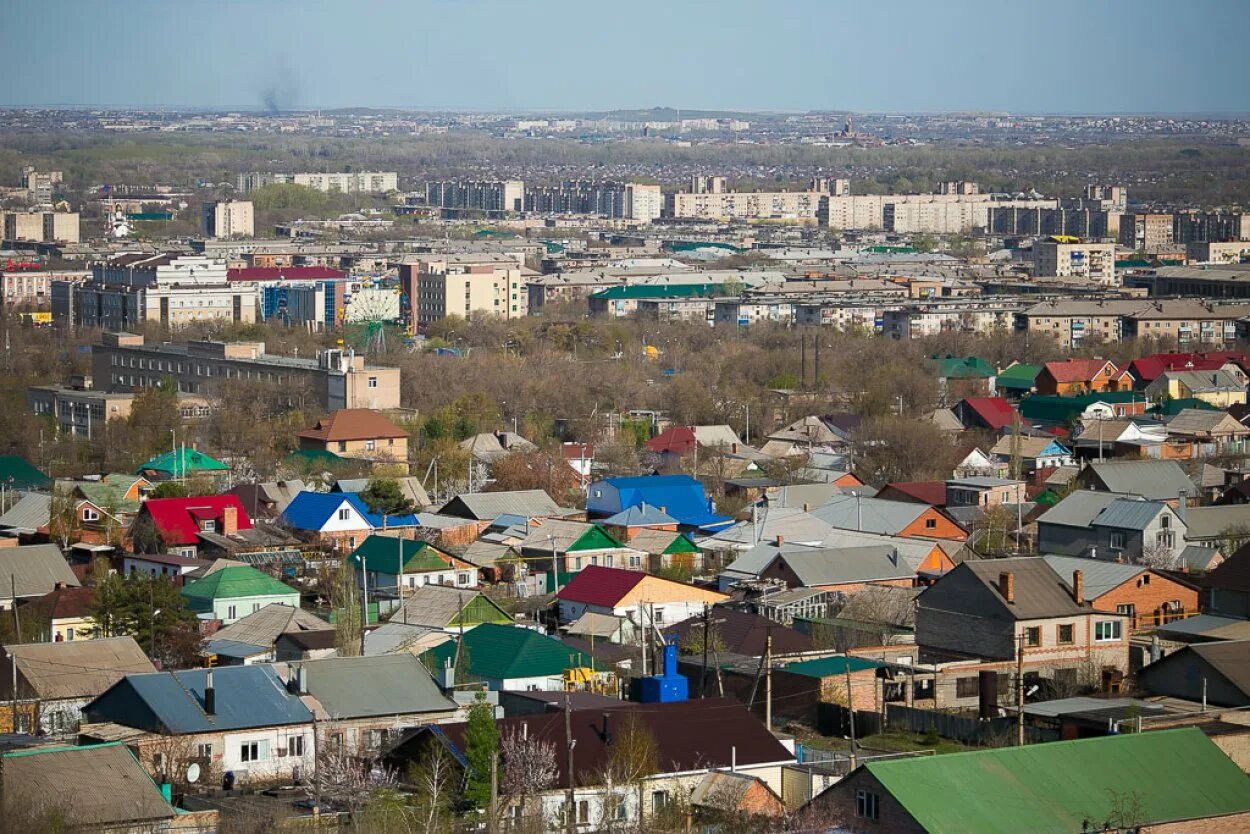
{"x": 529, "y": 767}
{"x": 633, "y": 757}
{"x": 436, "y": 779}
{"x": 344, "y": 780}
{"x": 1158, "y": 554}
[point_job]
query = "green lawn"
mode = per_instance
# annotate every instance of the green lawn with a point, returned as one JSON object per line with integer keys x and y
{"x": 890, "y": 742}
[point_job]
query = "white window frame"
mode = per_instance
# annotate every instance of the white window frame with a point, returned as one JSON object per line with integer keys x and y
{"x": 1108, "y": 631}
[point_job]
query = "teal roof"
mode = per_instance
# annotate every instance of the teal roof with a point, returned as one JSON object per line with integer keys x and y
{"x": 232, "y": 583}
{"x": 1066, "y": 787}
{"x": 1170, "y": 408}
{"x": 185, "y": 462}
{"x": 500, "y": 652}
{"x": 313, "y": 456}
{"x": 829, "y": 666}
{"x": 16, "y": 473}
{"x": 963, "y": 367}
{"x": 660, "y": 291}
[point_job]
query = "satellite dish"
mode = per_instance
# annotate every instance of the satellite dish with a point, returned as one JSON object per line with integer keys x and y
{"x": 193, "y": 773}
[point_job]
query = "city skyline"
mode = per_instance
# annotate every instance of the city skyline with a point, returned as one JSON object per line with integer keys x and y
{"x": 483, "y": 55}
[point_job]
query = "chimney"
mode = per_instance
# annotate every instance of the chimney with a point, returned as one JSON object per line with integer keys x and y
{"x": 1078, "y": 587}
{"x": 1007, "y": 585}
{"x": 229, "y": 521}
{"x": 1181, "y": 504}
{"x": 781, "y": 540}
{"x": 210, "y": 695}
{"x": 606, "y": 735}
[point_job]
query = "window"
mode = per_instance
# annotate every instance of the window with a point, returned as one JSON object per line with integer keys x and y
{"x": 657, "y": 614}
{"x": 930, "y": 523}
{"x": 1127, "y": 609}
{"x": 89, "y": 514}
{"x": 463, "y": 578}
{"x": 866, "y": 805}
{"x": 635, "y": 561}
{"x": 1117, "y": 541}
{"x": 204, "y": 751}
{"x": 69, "y": 634}
{"x": 1165, "y": 521}
{"x": 249, "y": 751}
{"x": 1065, "y": 635}
{"x": 1033, "y": 636}
{"x": 344, "y": 514}
{"x": 1107, "y": 631}
{"x": 373, "y": 382}
{"x": 583, "y": 812}
{"x": 659, "y": 799}
{"x": 1145, "y": 579}
{"x": 230, "y": 612}
{"x": 295, "y": 746}
{"x": 342, "y": 445}
{"x": 370, "y": 445}
{"x": 968, "y": 687}
{"x": 208, "y": 525}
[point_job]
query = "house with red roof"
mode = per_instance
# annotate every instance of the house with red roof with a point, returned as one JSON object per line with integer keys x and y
{"x": 1071, "y": 377}
{"x": 184, "y": 524}
{"x": 932, "y": 493}
{"x": 640, "y": 597}
{"x": 993, "y": 413}
{"x": 1149, "y": 368}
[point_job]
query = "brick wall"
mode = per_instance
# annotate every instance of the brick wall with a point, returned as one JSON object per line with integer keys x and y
{"x": 1149, "y": 598}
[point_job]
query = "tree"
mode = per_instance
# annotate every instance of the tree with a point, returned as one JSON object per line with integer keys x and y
{"x": 435, "y": 778}
{"x": 384, "y": 496}
{"x": 144, "y": 537}
{"x": 529, "y": 766}
{"x": 893, "y": 448}
{"x": 63, "y": 524}
{"x": 536, "y": 470}
{"x": 481, "y": 748}
{"x": 633, "y": 756}
{"x": 345, "y": 601}
{"x": 343, "y": 780}
{"x": 151, "y": 610}
{"x": 169, "y": 489}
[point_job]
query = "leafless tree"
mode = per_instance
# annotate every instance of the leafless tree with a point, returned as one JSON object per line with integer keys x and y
{"x": 436, "y": 779}
{"x": 529, "y": 766}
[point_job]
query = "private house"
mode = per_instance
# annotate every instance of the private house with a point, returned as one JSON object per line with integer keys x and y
{"x": 991, "y": 609}
{"x": 1017, "y": 380}
{"x": 1207, "y": 673}
{"x": 1063, "y": 410}
{"x": 107, "y": 506}
{"x": 488, "y": 447}
{"x": 1228, "y": 586}
{"x": 449, "y": 609}
{"x": 932, "y": 493}
{"x": 680, "y": 496}
{"x": 336, "y": 520}
{"x": 1147, "y": 369}
{"x": 1158, "y": 480}
{"x": 238, "y": 720}
{"x": 889, "y": 518}
{"x": 675, "y": 442}
{"x": 831, "y": 434}
{"x": 254, "y": 638}
{"x": 982, "y": 491}
{"x": 522, "y": 503}
{"x": 120, "y": 798}
{"x": 1146, "y": 596}
{"x": 632, "y": 520}
{"x": 1210, "y": 432}
{"x": 839, "y": 570}
{"x": 1039, "y": 456}
{"x": 181, "y": 521}
{"x": 1057, "y": 788}
{"x": 1218, "y": 388}
{"x": 989, "y": 413}
{"x": 573, "y": 546}
{"x": 1224, "y": 526}
{"x": 665, "y": 549}
{"x": 32, "y": 571}
{"x": 233, "y": 592}
{"x": 364, "y": 720}
{"x": 581, "y": 459}
{"x": 359, "y": 433}
{"x": 622, "y": 593}
{"x": 1072, "y": 377}
{"x": 505, "y": 657}
{"x": 789, "y": 524}
{"x": 687, "y": 755}
{"x": 963, "y": 376}
{"x": 741, "y": 633}
{"x": 17, "y": 473}
{"x": 378, "y": 565}
{"x": 180, "y": 464}
{"x": 68, "y": 612}
{"x": 268, "y": 499}
{"x": 161, "y": 564}
{"x": 409, "y": 487}
{"x": 1111, "y": 527}
{"x": 61, "y": 678}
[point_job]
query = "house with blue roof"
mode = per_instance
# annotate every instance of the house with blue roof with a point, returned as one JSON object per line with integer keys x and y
{"x": 680, "y": 497}
{"x": 337, "y": 520}
{"x": 242, "y": 719}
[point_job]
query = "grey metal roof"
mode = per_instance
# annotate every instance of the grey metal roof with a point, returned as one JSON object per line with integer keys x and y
{"x": 841, "y": 566}
{"x": 1129, "y": 514}
{"x": 1067, "y": 706}
{"x": 409, "y": 485}
{"x": 33, "y": 571}
{"x": 31, "y": 512}
{"x": 801, "y": 496}
{"x": 77, "y": 668}
{"x": 869, "y": 515}
{"x": 392, "y": 637}
{"x": 1199, "y": 558}
{"x": 484, "y": 506}
{"x": 235, "y": 649}
{"x": 1079, "y": 508}
{"x": 263, "y": 627}
{"x": 973, "y": 588}
{"x": 1211, "y": 522}
{"x": 791, "y": 523}
{"x": 1098, "y": 575}
{"x": 1208, "y": 625}
{"x": 592, "y": 623}
{"x": 434, "y": 606}
{"x": 1159, "y": 479}
{"x": 912, "y": 551}
{"x": 365, "y": 687}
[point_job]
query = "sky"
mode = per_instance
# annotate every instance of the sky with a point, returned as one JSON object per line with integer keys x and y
{"x": 1060, "y": 56}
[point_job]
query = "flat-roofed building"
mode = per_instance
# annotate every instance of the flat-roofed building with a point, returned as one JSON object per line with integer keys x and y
{"x": 1144, "y": 232}
{"x": 1221, "y": 252}
{"x": 42, "y": 226}
{"x": 469, "y": 286}
{"x": 229, "y": 219}
{"x": 1093, "y": 262}
{"x": 489, "y": 196}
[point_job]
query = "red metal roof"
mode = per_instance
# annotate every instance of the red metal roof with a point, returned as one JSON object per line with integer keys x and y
{"x": 996, "y": 412}
{"x": 600, "y": 586}
{"x": 677, "y": 440}
{"x": 285, "y": 273}
{"x": 1079, "y": 370}
{"x": 932, "y": 493}
{"x": 176, "y": 518}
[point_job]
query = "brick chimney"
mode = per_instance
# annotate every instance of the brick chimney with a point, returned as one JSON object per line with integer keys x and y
{"x": 1078, "y": 587}
{"x": 781, "y": 540}
{"x": 229, "y": 521}
{"x": 1007, "y": 585}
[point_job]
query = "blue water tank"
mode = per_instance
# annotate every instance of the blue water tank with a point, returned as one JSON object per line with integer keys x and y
{"x": 668, "y": 687}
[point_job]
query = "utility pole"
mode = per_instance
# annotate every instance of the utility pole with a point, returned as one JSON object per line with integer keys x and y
{"x": 492, "y": 824}
{"x": 768, "y": 681}
{"x": 850, "y": 710}
{"x": 555, "y": 566}
{"x": 803, "y": 360}
{"x": 1020, "y": 690}
{"x": 703, "y": 674}
{"x": 570, "y": 818}
{"x": 364, "y": 600}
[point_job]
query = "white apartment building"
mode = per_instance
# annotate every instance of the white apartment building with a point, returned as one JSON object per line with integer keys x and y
{"x": 748, "y": 205}
{"x": 643, "y": 202}
{"x": 358, "y": 182}
{"x": 40, "y": 183}
{"x": 947, "y": 213}
{"x": 33, "y": 289}
{"x": 469, "y": 287}
{"x": 229, "y": 219}
{"x": 1093, "y": 262}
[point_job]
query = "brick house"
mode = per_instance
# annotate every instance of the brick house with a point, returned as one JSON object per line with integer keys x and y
{"x": 1081, "y": 376}
{"x": 1146, "y": 596}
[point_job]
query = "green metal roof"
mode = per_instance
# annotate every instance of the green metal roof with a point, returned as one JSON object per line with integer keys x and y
{"x": 16, "y": 473}
{"x": 185, "y": 461}
{"x": 231, "y": 583}
{"x": 680, "y": 544}
{"x": 1019, "y": 376}
{"x": 596, "y": 538}
{"x": 1170, "y": 408}
{"x": 1067, "y": 786}
{"x": 660, "y": 291}
{"x": 500, "y": 652}
{"x": 963, "y": 367}
{"x": 1056, "y": 409}
{"x": 829, "y": 666}
{"x": 381, "y": 554}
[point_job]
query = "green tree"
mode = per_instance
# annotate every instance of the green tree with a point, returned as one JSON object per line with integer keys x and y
{"x": 481, "y": 747}
{"x": 144, "y": 537}
{"x": 169, "y": 489}
{"x": 383, "y": 495}
{"x": 151, "y": 610}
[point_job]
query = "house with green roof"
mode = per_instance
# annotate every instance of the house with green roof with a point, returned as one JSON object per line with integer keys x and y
{"x": 576, "y": 545}
{"x": 505, "y": 658}
{"x": 382, "y": 560}
{"x": 1058, "y": 410}
{"x": 231, "y": 593}
{"x": 182, "y": 463}
{"x": 1017, "y": 380}
{"x": 963, "y": 376}
{"x": 17, "y": 473}
{"x": 1172, "y": 778}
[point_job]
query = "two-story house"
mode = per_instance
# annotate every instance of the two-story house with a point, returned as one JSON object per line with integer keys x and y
{"x": 359, "y": 433}
{"x": 1105, "y": 525}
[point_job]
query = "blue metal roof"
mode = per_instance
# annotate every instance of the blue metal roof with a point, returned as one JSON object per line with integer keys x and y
{"x": 681, "y": 496}
{"x": 311, "y": 510}
{"x": 640, "y": 516}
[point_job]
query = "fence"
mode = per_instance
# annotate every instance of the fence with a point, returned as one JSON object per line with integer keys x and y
{"x": 838, "y": 762}
{"x": 831, "y": 720}
{"x": 991, "y": 732}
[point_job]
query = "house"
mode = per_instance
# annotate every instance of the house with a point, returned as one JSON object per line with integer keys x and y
{"x": 963, "y": 376}
{"x": 364, "y": 719}
{"x": 489, "y": 447}
{"x": 631, "y": 520}
{"x": 1209, "y": 673}
{"x": 1039, "y": 456}
{"x": 581, "y": 459}
{"x": 32, "y": 571}
{"x": 505, "y": 657}
{"x": 68, "y": 612}
{"x": 360, "y": 433}
{"x": 839, "y": 570}
{"x": 27, "y": 519}
{"x": 1057, "y": 788}
{"x": 1146, "y": 596}
{"x": 680, "y": 496}
{"x": 983, "y": 491}
{"x": 1226, "y": 526}
{"x": 45, "y": 785}
{"x": 1147, "y": 369}
{"x": 336, "y": 520}
{"x": 1017, "y": 380}
{"x": 261, "y": 631}
{"x": 239, "y": 723}
{"x": 1219, "y": 388}
{"x": 1082, "y": 376}
{"x": 1211, "y": 432}
{"x": 572, "y": 546}
{"x": 679, "y": 441}
{"x": 621, "y": 593}
{"x": 809, "y": 434}
{"x": 1062, "y": 410}
{"x": 61, "y": 678}
{"x": 977, "y": 463}
{"x": 737, "y": 794}
{"x": 665, "y": 549}
{"x": 409, "y": 487}
{"x": 180, "y": 464}
{"x": 1158, "y": 480}
{"x": 379, "y": 565}
{"x": 233, "y": 592}
{"x": 181, "y": 521}
{"x": 991, "y": 413}
{"x": 1104, "y": 525}
{"x": 806, "y": 496}
{"x": 789, "y": 524}
{"x": 890, "y": 518}
{"x": 161, "y": 564}
{"x": 1228, "y": 586}
{"x": 995, "y": 608}
{"x": 487, "y": 506}
{"x": 453, "y": 610}
{"x": 932, "y": 493}
{"x": 106, "y": 506}
{"x": 741, "y": 633}
{"x": 685, "y": 754}
{"x": 267, "y": 499}
{"x": 18, "y": 474}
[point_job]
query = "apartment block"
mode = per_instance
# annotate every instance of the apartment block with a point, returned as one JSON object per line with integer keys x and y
{"x": 358, "y": 182}
{"x": 228, "y": 219}
{"x": 944, "y": 213}
{"x": 1224, "y": 252}
{"x": 744, "y": 205}
{"x": 1194, "y": 227}
{"x": 1092, "y": 262}
{"x": 335, "y": 378}
{"x": 1144, "y": 232}
{"x": 468, "y": 286}
{"x": 603, "y": 198}
{"x": 643, "y": 202}
{"x": 40, "y": 184}
{"x": 20, "y": 288}
{"x": 490, "y": 196}
{"x": 43, "y": 226}
{"x": 1088, "y": 223}
{"x": 1187, "y": 322}
{"x": 82, "y": 411}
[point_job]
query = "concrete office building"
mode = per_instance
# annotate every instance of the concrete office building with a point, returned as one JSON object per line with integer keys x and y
{"x": 1092, "y": 262}
{"x": 335, "y": 378}
{"x": 469, "y": 286}
{"x": 358, "y": 182}
{"x": 489, "y": 196}
{"x": 229, "y": 219}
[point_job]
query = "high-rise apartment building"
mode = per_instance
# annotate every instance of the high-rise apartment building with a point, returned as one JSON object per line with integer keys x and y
{"x": 44, "y": 226}
{"x": 1092, "y": 262}
{"x": 490, "y": 196}
{"x": 39, "y": 184}
{"x": 469, "y": 286}
{"x": 643, "y": 202}
{"x": 1214, "y": 227}
{"x": 229, "y": 219}
{"x": 948, "y": 213}
{"x": 355, "y": 182}
{"x": 1146, "y": 231}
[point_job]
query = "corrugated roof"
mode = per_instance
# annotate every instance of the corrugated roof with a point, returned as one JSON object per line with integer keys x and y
{"x": 825, "y": 667}
{"x": 119, "y": 795}
{"x": 178, "y": 519}
{"x": 262, "y": 628}
{"x": 1079, "y": 508}
{"x": 33, "y": 570}
{"x": 869, "y": 515}
{"x": 380, "y": 554}
{"x": 601, "y": 586}
{"x": 643, "y": 515}
{"x": 1129, "y": 514}
{"x": 840, "y": 566}
{"x": 1068, "y": 786}
{"x": 353, "y": 424}
{"x": 19, "y": 474}
{"x": 1159, "y": 479}
{"x": 31, "y": 512}
{"x": 1212, "y": 522}
{"x": 440, "y": 606}
{"x": 398, "y": 684}
{"x": 498, "y": 652}
{"x": 77, "y": 668}
{"x": 484, "y": 506}
{"x": 1099, "y": 575}
{"x": 235, "y": 582}
{"x": 973, "y": 588}
{"x": 186, "y": 460}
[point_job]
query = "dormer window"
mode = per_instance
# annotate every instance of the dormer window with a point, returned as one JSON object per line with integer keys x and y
{"x": 208, "y": 525}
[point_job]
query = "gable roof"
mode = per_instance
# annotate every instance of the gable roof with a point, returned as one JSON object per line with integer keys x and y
{"x": 1018, "y": 377}
{"x": 601, "y": 586}
{"x": 973, "y": 588}
{"x": 313, "y": 510}
{"x": 178, "y": 519}
{"x": 503, "y": 652}
{"x": 409, "y": 486}
{"x": 441, "y": 606}
{"x": 743, "y": 633}
{"x": 642, "y": 515}
{"x": 398, "y": 684}
{"x": 963, "y": 367}
{"x": 1099, "y": 576}
{"x": 681, "y": 496}
{"x": 30, "y": 514}
{"x": 870, "y": 515}
{"x": 77, "y": 668}
{"x": 263, "y": 627}
{"x": 814, "y": 567}
{"x": 484, "y": 506}
{"x": 1068, "y": 786}
{"x": 569, "y": 536}
{"x": 1159, "y": 479}
{"x": 1196, "y": 421}
{"x": 67, "y": 603}
{"x": 236, "y": 581}
{"x": 1079, "y": 508}
{"x": 352, "y": 424}
{"x": 33, "y": 570}
{"x": 380, "y": 554}
{"x": 932, "y": 493}
{"x": 1030, "y": 447}
{"x": 995, "y": 412}
{"x": 19, "y": 474}
{"x": 184, "y": 461}
{"x": 1080, "y": 370}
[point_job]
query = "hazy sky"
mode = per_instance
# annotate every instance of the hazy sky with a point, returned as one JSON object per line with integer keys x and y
{"x": 1020, "y": 55}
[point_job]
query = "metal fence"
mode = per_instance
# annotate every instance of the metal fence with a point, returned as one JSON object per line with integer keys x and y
{"x": 989, "y": 732}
